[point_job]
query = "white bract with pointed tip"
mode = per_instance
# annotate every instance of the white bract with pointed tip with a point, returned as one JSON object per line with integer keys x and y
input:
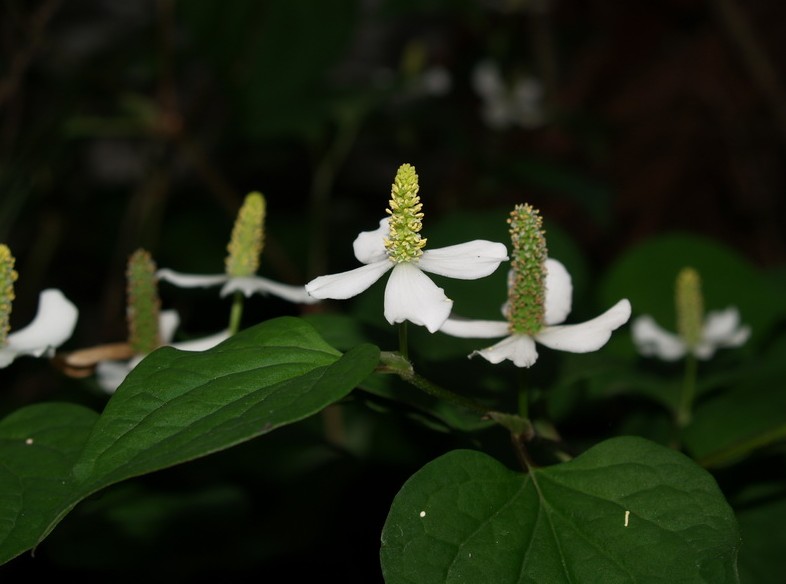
{"x": 520, "y": 348}
{"x": 248, "y": 285}
{"x": 52, "y": 326}
{"x": 721, "y": 329}
{"x": 410, "y": 294}
{"x": 110, "y": 374}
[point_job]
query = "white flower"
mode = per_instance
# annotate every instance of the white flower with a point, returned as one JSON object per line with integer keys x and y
{"x": 110, "y": 374}
{"x": 721, "y": 328}
{"x": 410, "y": 294}
{"x": 52, "y": 326}
{"x": 245, "y": 247}
{"x": 520, "y": 348}
{"x": 503, "y": 106}
{"x": 248, "y": 285}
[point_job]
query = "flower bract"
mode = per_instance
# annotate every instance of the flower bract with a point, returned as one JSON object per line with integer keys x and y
{"x": 52, "y": 326}
{"x": 397, "y": 246}
{"x": 720, "y": 329}
{"x": 504, "y": 105}
{"x": 520, "y": 347}
{"x": 697, "y": 334}
{"x": 248, "y": 285}
{"x": 242, "y": 261}
{"x": 410, "y": 295}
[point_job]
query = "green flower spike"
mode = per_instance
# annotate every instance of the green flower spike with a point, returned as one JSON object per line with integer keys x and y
{"x": 527, "y": 287}
{"x": 149, "y": 327}
{"x": 7, "y": 278}
{"x": 143, "y": 303}
{"x": 690, "y": 307}
{"x": 404, "y": 242}
{"x": 539, "y": 300}
{"x": 248, "y": 238}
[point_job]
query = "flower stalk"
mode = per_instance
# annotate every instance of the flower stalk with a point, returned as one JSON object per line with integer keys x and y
{"x": 393, "y": 362}
{"x": 403, "y": 339}
{"x": 685, "y": 409}
{"x": 689, "y": 304}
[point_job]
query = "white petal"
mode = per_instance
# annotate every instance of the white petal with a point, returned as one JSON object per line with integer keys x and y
{"x": 411, "y": 295}
{"x": 465, "y": 261}
{"x": 348, "y": 284}
{"x": 587, "y": 336}
{"x": 559, "y": 293}
{"x": 518, "y": 348}
{"x": 652, "y": 340}
{"x": 251, "y": 284}
{"x": 722, "y": 328}
{"x": 474, "y": 329}
{"x": 52, "y": 326}
{"x": 190, "y": 280}
{"x": 203, "y": 343}
{"x": 168, "y": 321}
{"x": 740, "y": 336}
{"x": 487, "y": 81}
{"x": 7, "y": 357}
{"x": 369, "y": 246}
{"x": 110, "y": 374}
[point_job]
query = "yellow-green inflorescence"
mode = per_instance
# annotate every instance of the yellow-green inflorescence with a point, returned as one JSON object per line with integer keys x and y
{"x": 405, "y": 244}
{"x": 143, "y": 303}
{"x": 7, "y": 278}
{"x": 690, "y": 306}
{"x": 527, "y": 286}
{"x": 248, "y": 238}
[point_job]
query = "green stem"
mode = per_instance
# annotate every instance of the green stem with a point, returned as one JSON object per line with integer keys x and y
{"x": 403, "y": 344}
{"x": 739, "y": 450}
{"x": 236, "y": 313}
{"x": 522, "y": 455}
{"x": 684, "y": 411}
{"x": 522, "y": 393}
{"x": 444, "y": 394}
{"x": 400, "y": 365}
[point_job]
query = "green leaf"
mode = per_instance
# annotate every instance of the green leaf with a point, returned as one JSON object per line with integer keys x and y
{"x": 761, "y": 510}
{"x": 626, "y": 510}
{"x": 38, "y": 447}
{"x": 728, "y": 426}
{"x": 174, "y": 406}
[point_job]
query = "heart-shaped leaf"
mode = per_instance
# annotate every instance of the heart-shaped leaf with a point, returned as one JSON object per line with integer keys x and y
{"x": 627, "y": 510}
{"x": 174, "y": 406}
